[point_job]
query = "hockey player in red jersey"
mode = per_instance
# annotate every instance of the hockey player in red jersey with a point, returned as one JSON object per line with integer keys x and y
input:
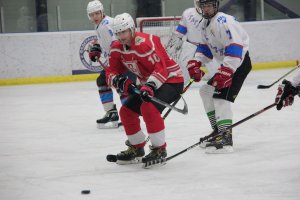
{"x": 159, "y": 76}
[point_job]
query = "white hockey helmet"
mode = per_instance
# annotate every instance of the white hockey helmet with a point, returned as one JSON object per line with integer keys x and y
{"x": 94, "y": 6}
{"x": 123, "y": 22}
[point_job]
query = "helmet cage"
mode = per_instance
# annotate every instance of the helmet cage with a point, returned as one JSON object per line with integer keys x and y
{"x": 202, "y": 3}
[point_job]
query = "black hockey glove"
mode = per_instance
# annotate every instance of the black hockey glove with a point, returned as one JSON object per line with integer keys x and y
{"x": 285, "y": 94}
{"x": 124, "y": 85}
{"x": 147, "y": 91}
{"x": 95, "y": 52}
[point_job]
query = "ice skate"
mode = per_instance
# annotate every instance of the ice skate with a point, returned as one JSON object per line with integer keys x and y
{"x": 110, "y": 119}
{"x": 132, "y": 155}
{"x": 155, "y": 153}
{"x": 211, "y": 139}
{"x": 222, "y": 144}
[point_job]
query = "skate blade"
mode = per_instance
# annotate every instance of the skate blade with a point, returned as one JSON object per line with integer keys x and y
{"x": 214, "y": 150}
{"x": 147, "y": 166}
{"x": 129, "y": 162}
{"x": 203, "y": 144}
{"x": 108, "y": 125}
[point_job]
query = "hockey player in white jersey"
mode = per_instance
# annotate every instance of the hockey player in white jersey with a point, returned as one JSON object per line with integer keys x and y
{"x": 287, "y": 90}
{"x": 184, "y": 40}
{"x": 99, "y": 53}
{"x": 225, "y": 40}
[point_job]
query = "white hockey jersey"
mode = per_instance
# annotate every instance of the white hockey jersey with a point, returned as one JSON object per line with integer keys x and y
{"x": 106, "y": 37}
{"x": 224, "y": 39}
{"x": 189, "y": 26}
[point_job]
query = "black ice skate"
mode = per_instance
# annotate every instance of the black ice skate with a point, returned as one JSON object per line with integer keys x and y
{"x": 132, "y": 155}
{"x": 110, "y": 119}
{"x": 155, "y": 153}
{"x": 211, "y": 139}
{"x": 222, "y": 144}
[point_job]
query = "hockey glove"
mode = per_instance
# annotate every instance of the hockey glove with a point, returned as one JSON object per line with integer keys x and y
{"x": 147, "y": 91}
{"x": 223, "y": 78}
{"x": 95, "y": 52}
{"x": 174, "y": 45}
{"x": 285, "y": 94}
{"x": 195, "y": 72}
{"x": 124, "y": 85}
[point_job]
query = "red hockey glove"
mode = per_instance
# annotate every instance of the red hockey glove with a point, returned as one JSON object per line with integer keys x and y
{"x": 195, "y": 72}
{"x": 147, "y": 91}
{"x": 124, "y": 85}
{"x": 223, "y": 78}
{"x": 95, "y": 52}
{"x": 285, "y": 94}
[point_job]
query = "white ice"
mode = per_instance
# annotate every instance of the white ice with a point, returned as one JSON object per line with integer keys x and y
{"x": 50, "y": 148}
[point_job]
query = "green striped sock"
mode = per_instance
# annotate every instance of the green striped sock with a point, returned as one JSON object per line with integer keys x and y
{"x": 223, "y": 124}
{"x": 212, "y": 119}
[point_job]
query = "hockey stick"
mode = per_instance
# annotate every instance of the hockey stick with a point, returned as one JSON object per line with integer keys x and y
{"x": 173, "y": 104}
{"x": 268, "y": 86}
{"x": 177, "y": 100}
{"x": 102, "y": 65}
{"x": 164, "y": 160}
{"x": 184, "y": 110}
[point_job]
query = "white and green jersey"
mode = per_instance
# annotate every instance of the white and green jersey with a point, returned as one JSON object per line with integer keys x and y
{"x": 224, "y": 39}
{"x": 189, "y": 26}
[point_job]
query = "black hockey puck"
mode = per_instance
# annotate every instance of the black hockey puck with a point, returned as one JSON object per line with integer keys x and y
{"x": 111, "y": 158}
{"x": 85, "y": 191}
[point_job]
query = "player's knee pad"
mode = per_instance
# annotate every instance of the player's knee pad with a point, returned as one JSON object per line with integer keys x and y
{"x": 152, "y": 117}
{"x": 206, "y": 91}
{"x": 130, "y": 120}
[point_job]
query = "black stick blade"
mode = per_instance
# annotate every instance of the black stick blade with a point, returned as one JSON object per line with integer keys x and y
{"x": 111, "y": 158}
{"x": 263, "y": 86}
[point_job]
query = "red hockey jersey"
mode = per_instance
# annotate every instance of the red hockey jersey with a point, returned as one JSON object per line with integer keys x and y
{"x": 147, "y": 58}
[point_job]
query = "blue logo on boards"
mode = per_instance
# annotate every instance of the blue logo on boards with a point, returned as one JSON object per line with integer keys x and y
{"x": 84, "y": 54}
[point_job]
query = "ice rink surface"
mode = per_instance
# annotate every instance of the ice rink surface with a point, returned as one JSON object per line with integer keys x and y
{"x": 51, "y": 149}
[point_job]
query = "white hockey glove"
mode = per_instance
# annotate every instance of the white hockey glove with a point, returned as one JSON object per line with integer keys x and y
{"x": 174, "y": 45}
